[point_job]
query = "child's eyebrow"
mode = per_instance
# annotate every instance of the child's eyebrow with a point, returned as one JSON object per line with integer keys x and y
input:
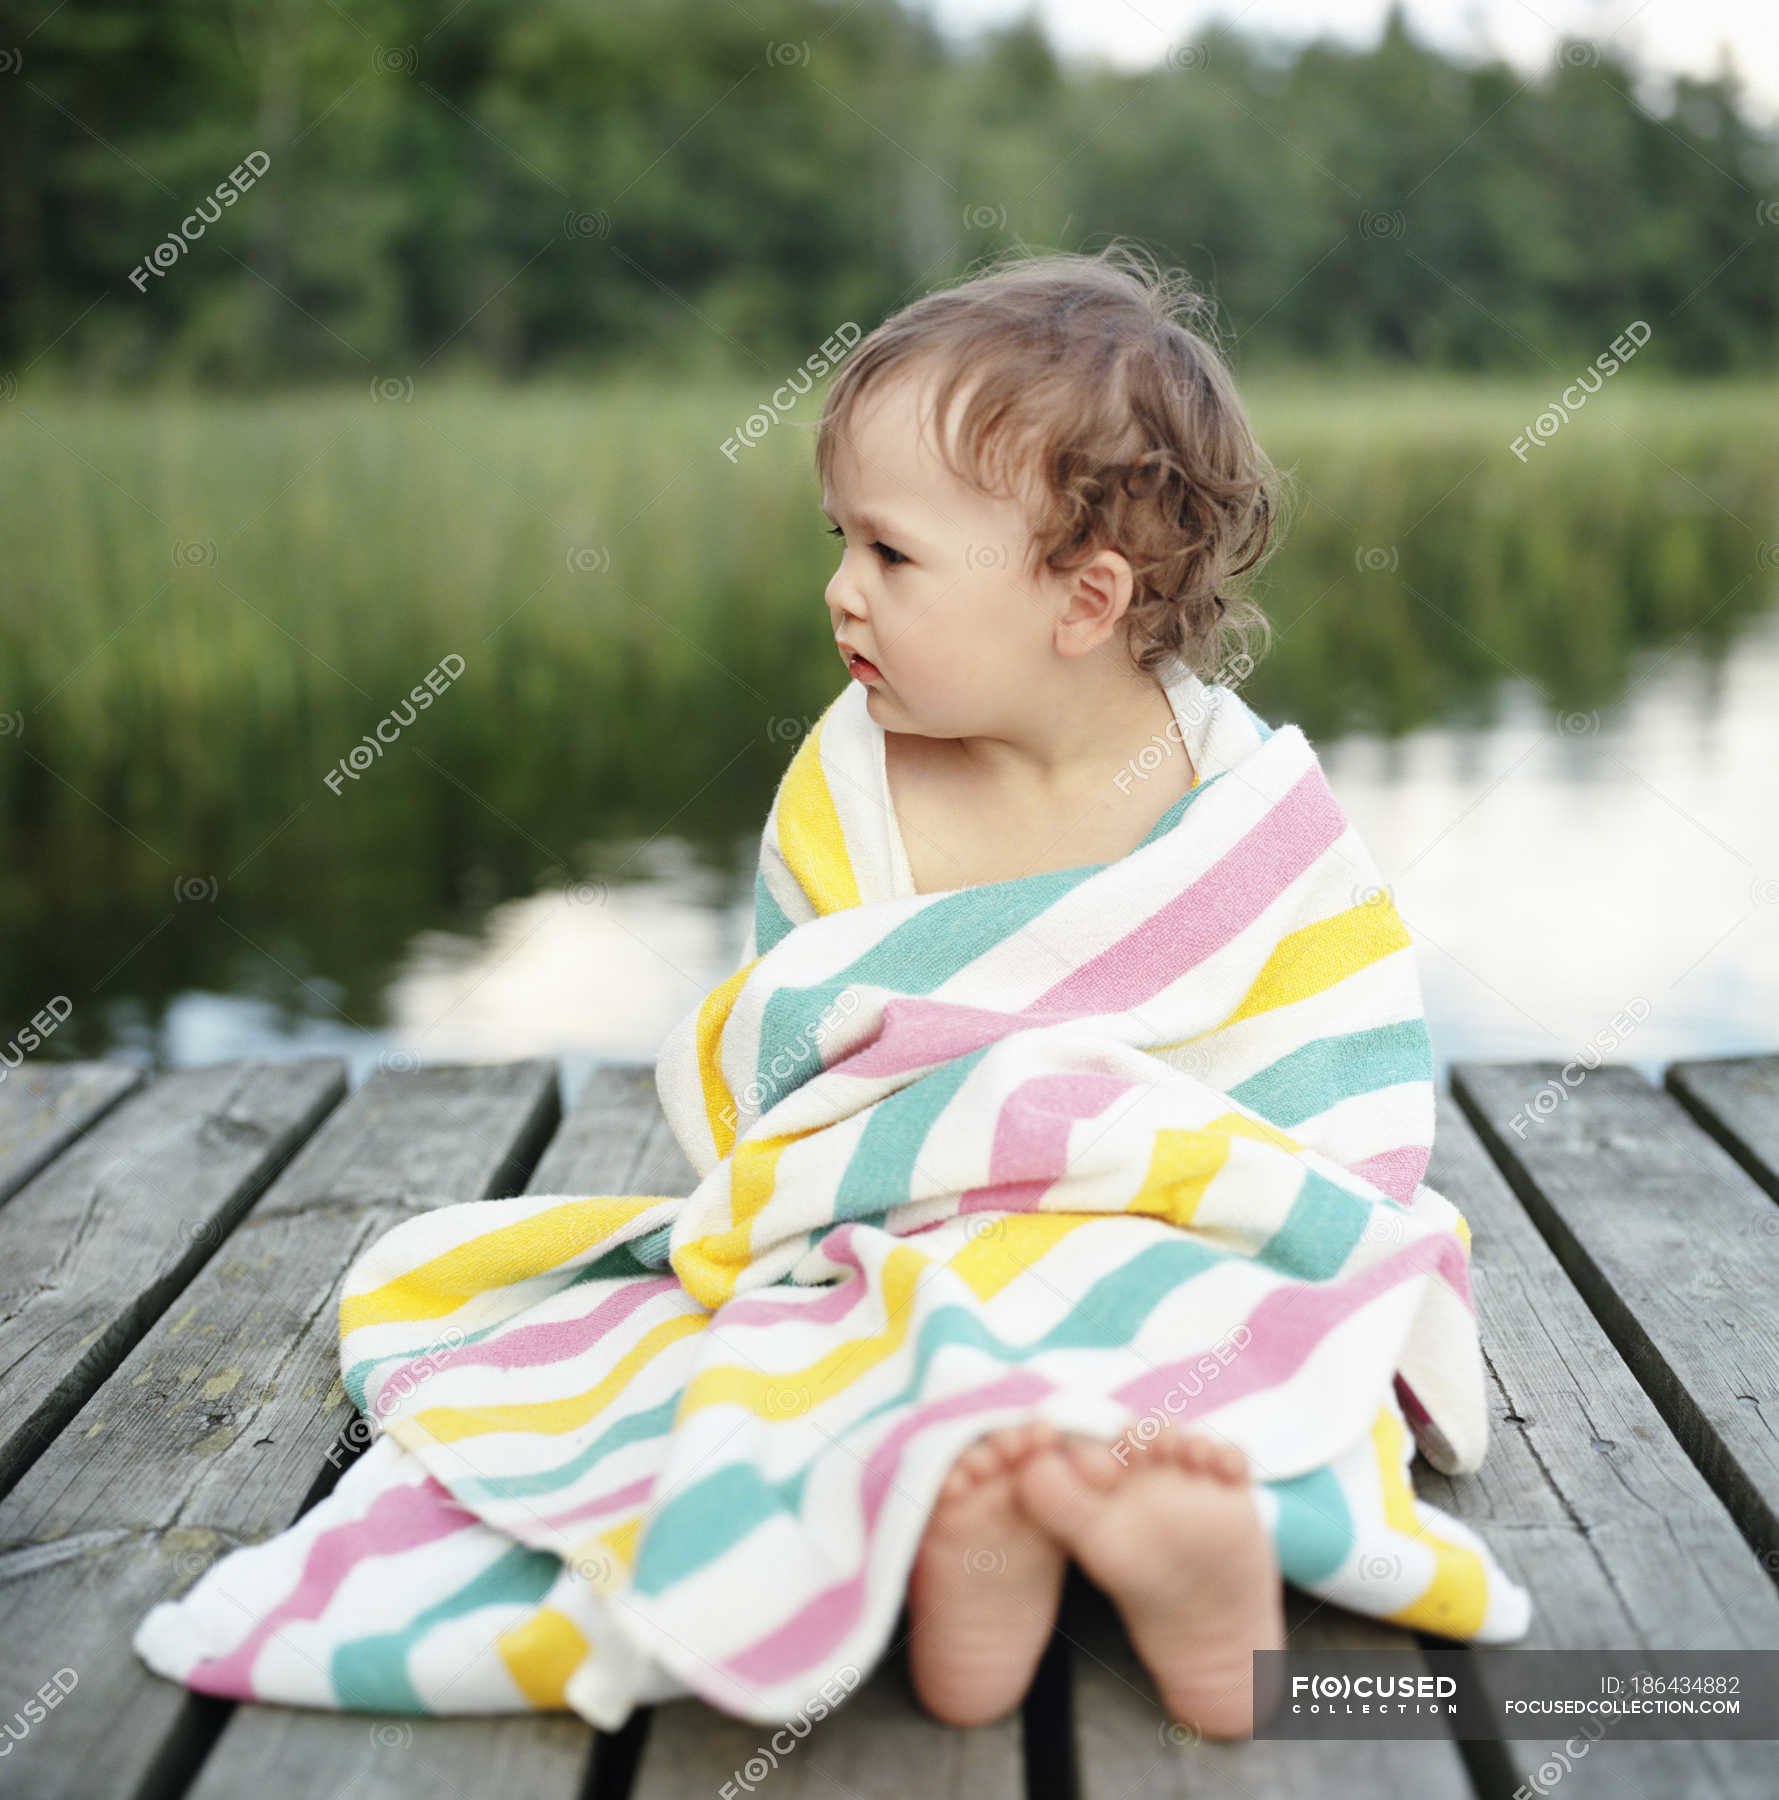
{"x": 878, "y": 527}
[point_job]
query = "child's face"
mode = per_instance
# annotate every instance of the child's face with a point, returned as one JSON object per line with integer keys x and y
{"x": 932, "y": 586}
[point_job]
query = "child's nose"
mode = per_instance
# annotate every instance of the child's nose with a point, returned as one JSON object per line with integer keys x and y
{"x": 842, "y": 596}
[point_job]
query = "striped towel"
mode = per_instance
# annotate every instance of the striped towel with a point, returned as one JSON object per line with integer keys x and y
{"x": 1124, "y": 1146}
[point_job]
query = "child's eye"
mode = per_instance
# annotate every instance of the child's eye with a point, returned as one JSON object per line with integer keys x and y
{"x": 892, "y": 558}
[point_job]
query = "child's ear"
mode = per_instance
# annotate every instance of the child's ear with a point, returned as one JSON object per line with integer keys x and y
{"x": 1099, "y": 594}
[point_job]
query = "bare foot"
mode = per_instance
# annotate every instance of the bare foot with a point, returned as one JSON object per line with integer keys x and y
{"x": 984, "y": 1589}
{"x": 1174, "y": 1539}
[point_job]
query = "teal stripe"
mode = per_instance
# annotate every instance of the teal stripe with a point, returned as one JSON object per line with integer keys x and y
{"x": 1321, "y": 1074}
{"x": 770, "y": 919}
{"x": 635, "y": 1428}
{"x": 1314, "y": 1534}
{"x": 370, "y": 1674}
{"x": 880, "y": 1172}
{"x": 653, "y": 1249}
{"x": 1319, "y": 1232}
{"x": 918, "y": 956}
{"x": 705, "y": 1520}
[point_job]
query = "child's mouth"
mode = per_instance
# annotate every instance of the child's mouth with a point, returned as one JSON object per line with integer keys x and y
{"x": 864, "y": 671}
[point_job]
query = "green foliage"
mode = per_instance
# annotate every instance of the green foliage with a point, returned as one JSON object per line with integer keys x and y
{"x": 698, "y": 187}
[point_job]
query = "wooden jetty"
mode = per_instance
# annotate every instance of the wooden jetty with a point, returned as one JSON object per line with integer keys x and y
{"x": 170, "y": 1254}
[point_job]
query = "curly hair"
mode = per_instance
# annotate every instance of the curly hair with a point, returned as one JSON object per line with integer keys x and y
{"x": 1089, "y": 387}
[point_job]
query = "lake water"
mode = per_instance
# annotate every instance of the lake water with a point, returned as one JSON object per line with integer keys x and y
{"x": 1556, "y": 876}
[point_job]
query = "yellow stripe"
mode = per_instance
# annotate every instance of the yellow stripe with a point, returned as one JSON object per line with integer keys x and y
{"x": 814, "y": 850}
{"x": 1184, "y": 1163}
{"x": 1315, "y": 959}
{"x": 783, "y": 1395}
{"x": 710, "y": 1266}
{"x": 447, "y": 1424}
{"x": 494, "y": 1259}
{"x": 1456, "y": 1600}
{"x": 1009, "y": 1246}
{"x": 621, "y": 1539}
{"x": 988, "y": 1263}
{"x": 541, "y": 1654}
{"x": 713, "y": 1018}
{"x": 598, "y": 1559}
{"x": 809, "y": 835}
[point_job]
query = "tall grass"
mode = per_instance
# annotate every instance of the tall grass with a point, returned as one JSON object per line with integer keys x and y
{"x": 208, "y": 603}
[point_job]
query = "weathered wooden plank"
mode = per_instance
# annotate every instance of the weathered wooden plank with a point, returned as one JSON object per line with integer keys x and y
{"x": 95, "y": 1248}
{"x": 287, "y": 1753}
{"x": 1666, "y": 1238}
{"x": 214, "y": 1430}
{"x": 1587, "y": 1498}
{"x": 879, "y": 1745}
{"x": 614, "y": 1141}
{"x": 44, "y": 1107}
{"x": 1736, "y": 1099}
{"x": 1125, "y": 1744}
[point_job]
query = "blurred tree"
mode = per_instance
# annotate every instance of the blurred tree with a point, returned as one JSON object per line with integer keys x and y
{"x": 700, "y": 188}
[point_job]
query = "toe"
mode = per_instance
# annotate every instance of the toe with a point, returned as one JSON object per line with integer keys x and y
{"x": 1035, "y": 1435}
{"x": 1053, "y": 1495}
{"x": 1187, "y": 1448}
{"x": 1230, "y": 1463}
{"x": 956, "y": 1484}
{"x": 981, "y": 1460}
{"x": 1093, "y": 1461}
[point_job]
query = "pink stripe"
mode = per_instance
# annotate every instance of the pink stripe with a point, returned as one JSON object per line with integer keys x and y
{"x": 1398, "y": 1172}
{"x": 1214, "y": 910}
{"x": 1291, "y": 1321}
{"x": 1031, "y": 1142}
{"x": 913, "y": 1032}
{"x": 400, "y": 1518}
{"x": 634, "y": 1493}
{"x": 916, "y": 1033}
{"x": 804, "y": 1639}
{"x": 1287, "y": 1326}
{"x": 824, "y": 1305}
{"x": 532, "y": 1346}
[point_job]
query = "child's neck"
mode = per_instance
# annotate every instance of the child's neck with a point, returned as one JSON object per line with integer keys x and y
{"x": 1075, "y": 736}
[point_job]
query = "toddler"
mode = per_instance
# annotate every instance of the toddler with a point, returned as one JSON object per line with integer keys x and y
{"x": 1040, "y": 480}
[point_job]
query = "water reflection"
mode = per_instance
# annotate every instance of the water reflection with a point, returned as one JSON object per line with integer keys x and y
{"x": 1554, "y": 875}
